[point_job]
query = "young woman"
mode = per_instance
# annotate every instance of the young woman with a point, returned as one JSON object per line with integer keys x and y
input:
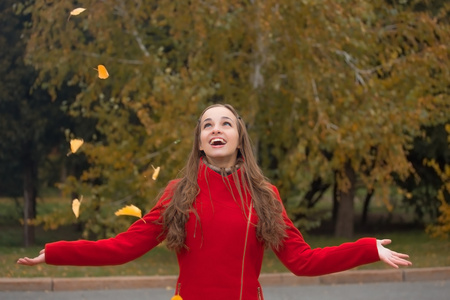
{"x": 218, "y": 218}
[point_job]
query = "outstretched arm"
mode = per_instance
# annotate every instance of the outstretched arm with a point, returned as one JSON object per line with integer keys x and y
{"x": 391, "y": 258}
{"x": 301, "y": 260}
{"x": 33, "y": 261}
{"x": 142, "y": 236}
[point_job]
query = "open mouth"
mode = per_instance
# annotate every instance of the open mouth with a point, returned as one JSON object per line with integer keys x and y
{"x": 217, "y": 142}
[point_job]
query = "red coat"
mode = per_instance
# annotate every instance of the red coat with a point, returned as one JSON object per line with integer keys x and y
{"x": 213, "y": 266}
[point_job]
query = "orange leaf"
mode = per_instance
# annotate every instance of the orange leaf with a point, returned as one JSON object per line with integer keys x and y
{"x": 75, "y": 144}
{"x": 102, "y": 72}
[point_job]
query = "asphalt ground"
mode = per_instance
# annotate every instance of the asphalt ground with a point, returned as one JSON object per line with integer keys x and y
{"x": 434, "y": 290}
{"x": 389, "y": 284}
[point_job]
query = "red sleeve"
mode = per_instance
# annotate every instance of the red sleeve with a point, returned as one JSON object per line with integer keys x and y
{"x": 301, "y": 260}
{"x": 140, "y": 238}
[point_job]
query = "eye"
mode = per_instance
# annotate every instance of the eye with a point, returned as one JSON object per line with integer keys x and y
{"x": 226, "y": 123}
{"x": 206, "y": 125}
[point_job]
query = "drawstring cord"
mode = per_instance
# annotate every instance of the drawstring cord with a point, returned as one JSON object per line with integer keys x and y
{"x": 245, "y": 249}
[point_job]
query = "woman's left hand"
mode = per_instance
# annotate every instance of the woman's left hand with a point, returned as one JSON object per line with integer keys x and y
{"x": 392, "y": 258}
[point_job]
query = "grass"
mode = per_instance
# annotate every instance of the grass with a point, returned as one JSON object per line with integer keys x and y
{"x": 157, "y": 262}
{"x": 424, "y": 251}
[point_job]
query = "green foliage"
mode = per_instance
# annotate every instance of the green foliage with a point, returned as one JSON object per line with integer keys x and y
{"x": 322, "y": 85}
{"x": 442, "y": 227}
{"x": 421, "y": 188}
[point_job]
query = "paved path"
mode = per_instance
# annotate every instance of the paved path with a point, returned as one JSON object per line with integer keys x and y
{"x": 435, "y": 290}
{"x": 390, "y": 284}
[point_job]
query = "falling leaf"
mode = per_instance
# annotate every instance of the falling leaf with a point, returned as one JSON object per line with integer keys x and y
{"x": 76, "y": 206}
{"x": 102, "y": 72}
{"x": 176, "y": 297}
{"x": 156, "y": 172}
{"x": 130, "y": 210}
{"x": 75, "y": 144}
{"x": 76, "y": 12}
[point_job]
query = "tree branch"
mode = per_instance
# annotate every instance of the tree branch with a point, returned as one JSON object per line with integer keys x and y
{"x": 321, "y": 118}
{"x": 120, "y": 60}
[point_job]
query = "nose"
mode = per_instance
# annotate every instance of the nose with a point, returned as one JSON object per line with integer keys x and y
{"x": 216, "y": 130}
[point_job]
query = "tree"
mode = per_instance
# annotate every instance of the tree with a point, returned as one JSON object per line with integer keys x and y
{"x": 331, "y": 90}
{"x": 421, "y": 188}
{"x": 441, "y": 228}
{"x": 29, "y": 122}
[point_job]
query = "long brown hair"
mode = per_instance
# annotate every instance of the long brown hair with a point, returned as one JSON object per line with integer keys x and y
{"x": 270, "y": 228}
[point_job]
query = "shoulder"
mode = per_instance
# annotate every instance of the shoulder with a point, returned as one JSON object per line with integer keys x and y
{"x": 173, "y": 184}
{"x": 170, "y": 188}
{"x": 274, "y": 189}
{"x": 168, "y": 191}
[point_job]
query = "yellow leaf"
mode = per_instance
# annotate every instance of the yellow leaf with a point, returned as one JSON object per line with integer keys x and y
{"x": 75, "y": 144}
{"x": 102, "y": 72}
{"x": 156, "y": 172}
{"x": 76, "y": 206}
{"x": 176, "y": 297}
{"x": 130, "y": 210}
{"x": 76, "y": 12}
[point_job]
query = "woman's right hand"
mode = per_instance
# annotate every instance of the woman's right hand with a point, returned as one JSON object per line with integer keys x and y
{"x": 33, "y": 261}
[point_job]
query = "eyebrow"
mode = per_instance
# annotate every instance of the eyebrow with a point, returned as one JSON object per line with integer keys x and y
{"x": 224, "y": 117}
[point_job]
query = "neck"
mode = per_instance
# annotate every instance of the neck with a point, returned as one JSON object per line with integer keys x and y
{"x": 222, "y": 170}
{"x": 221, "y": 162}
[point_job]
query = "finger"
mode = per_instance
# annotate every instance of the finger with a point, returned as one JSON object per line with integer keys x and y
{"x": 402, "y": 262}
{"x": 23, "y": 261}
{"x": 42, "y": 251}
{"x": 399, "y": 255}
{"x": 387, "y": 260}
{"x": 390, "y": 263}
{"x": 402, "y": 255}
{"x": 27, "y": 261}
{"x": 385, "y": 242}
{"x": 399, "y": 260}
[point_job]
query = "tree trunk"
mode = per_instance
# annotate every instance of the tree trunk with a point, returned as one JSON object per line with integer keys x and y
{"x": 29, "y": 210}
{"x": 335, "y": 199}
{"x": 365, "y": 211}
{"x": 316, "y": 190}
{"x": 345, "y": 216}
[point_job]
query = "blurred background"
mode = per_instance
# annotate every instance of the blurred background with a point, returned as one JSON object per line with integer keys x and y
{"x": 347, "y": 103}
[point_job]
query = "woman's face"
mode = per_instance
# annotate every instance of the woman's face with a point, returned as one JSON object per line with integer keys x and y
{"x": 219, "y": 136}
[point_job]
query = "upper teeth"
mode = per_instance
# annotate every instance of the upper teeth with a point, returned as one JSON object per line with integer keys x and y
{"x": 217, "y": 140}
